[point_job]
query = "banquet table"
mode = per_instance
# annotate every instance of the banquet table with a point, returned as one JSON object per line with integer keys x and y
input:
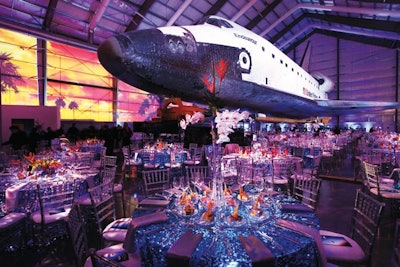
{"x": 21, "y": 194}
{"x": 219, "y": 244}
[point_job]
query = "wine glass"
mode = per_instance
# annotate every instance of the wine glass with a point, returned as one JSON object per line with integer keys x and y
{"x": 176, "y": 183}
{"x": 245, "y": 175}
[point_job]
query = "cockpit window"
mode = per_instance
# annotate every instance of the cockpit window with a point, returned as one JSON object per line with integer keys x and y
{"x": 225, "y": 24}
{"x": 215, "y": 21}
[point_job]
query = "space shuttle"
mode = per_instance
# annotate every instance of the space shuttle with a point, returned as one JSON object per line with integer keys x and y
{"x": 218, "y": 62}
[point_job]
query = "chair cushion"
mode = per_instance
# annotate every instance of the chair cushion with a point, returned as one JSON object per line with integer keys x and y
{"x": 11, "y": 219}
{"x": 133, "y": 260}
{"x": 386, "y": 192}
{"x": 84, "y": 200}
{"x": 338, "y": 253}
{"x": 51, "y": 215}
{"x": 116, "y": 230}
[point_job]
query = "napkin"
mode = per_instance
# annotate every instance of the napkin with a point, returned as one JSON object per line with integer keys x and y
{"x": 295, "y": 208}
{"x": 307, "y": 231}
{"x": 156, "y": 217}
{"x": 12, "y": 195}
{"x": 259, "y": 254}
{"x": 180, "y": 252}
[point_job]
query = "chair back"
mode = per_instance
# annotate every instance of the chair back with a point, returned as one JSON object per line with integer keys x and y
{"x": 371, "y": 176}
{"x": 193, "y": 171}
{"x": 396, "y": 245}
{"x": 108, "y": 161}
{"x": 102, "y": 199}
{"x": 366, "y": 218}
{"x": 77, "y": 233}
{"x": 54, "y": 198}
{"x": 307, "y": 191}
{"x": 84, "y": 159}
{"x": 282, "y": 167}
{"x": 154, "y": 180}
{"x": 108, "y": 173}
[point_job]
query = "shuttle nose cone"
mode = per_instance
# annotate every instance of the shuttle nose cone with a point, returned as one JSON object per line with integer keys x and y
{"x": 110, "y": 56}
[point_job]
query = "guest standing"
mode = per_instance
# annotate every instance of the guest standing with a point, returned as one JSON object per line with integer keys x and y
{"x": 18, "y": 138}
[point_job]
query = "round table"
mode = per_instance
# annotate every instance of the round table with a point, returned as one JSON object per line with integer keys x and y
{"x": 220, "y": 245}
{"x": 21, "y": 194}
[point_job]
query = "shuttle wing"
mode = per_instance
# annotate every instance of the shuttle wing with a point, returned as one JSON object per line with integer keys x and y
{"x": 340, "y": 107}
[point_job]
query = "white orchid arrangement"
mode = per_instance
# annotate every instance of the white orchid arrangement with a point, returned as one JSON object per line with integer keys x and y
{"x": 226, "y": 121}
{"x": 191, "y": 119}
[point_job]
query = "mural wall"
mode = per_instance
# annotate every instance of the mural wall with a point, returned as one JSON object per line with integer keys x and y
{"x": 76, "y": 82}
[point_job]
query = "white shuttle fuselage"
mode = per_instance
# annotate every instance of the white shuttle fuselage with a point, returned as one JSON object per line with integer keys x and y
{"x": 266, "y": 64}
{"x": 221, "y": 62}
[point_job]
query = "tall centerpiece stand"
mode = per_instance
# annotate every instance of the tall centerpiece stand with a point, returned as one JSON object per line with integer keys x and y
{"x": 215, "y": 163}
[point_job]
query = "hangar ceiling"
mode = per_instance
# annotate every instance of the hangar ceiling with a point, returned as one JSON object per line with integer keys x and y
{"x": 87, "y": 23}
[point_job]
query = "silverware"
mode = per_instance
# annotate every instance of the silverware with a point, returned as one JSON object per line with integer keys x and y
{"x": 270, "y": 239}
{"x": 228, "y": 247}
{"x": 211, "y": 245}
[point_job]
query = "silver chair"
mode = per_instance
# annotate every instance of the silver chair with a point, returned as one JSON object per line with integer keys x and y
{"x": 84, "y": 159}
{"x": 77, "y": 233}
{"x": 55, "y": 204}
{"x": 307, "y": 191}
{"x": 108, "y": 161}
{"x": 197, "y": 174}
{"x": 357, "y": 248}
{"x": 154, "y": 180}
{"x": 110, "y": 229}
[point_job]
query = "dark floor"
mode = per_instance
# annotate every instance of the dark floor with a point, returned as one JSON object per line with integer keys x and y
{"x": 334, "y": 211}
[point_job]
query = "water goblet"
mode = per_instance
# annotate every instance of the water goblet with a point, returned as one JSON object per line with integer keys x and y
{"x": 176, "y": 183}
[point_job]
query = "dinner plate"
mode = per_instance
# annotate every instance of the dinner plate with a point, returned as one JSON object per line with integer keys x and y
{"x": 181, "y": 212}
{"x": 259, "y": 218}
{"x": 202, "y": 222}
{"x": 229, "y": 223}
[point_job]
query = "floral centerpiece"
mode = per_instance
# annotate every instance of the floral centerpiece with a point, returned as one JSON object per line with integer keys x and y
{"x": 44, "y": 166}
{"x": 191, "y": 119}
{"x": 223, "y": 123}
{"x": 226, "y": 121}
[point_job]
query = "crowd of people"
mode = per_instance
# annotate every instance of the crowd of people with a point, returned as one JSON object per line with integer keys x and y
{"x": 114, "y": 137}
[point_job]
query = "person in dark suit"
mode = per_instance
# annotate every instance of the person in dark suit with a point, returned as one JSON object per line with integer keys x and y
{"x": 18, "y": 138}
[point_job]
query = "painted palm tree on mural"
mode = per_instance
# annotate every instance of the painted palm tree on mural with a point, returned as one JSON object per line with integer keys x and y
{"x": 8, "y": 73}
{"x": 73, "y": 106}
{"x": 149, "y": 102}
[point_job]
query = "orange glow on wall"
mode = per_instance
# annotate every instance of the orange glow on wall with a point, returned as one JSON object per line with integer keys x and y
{"x": 76, "y": 82}
{"x": 20, "y": 50}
